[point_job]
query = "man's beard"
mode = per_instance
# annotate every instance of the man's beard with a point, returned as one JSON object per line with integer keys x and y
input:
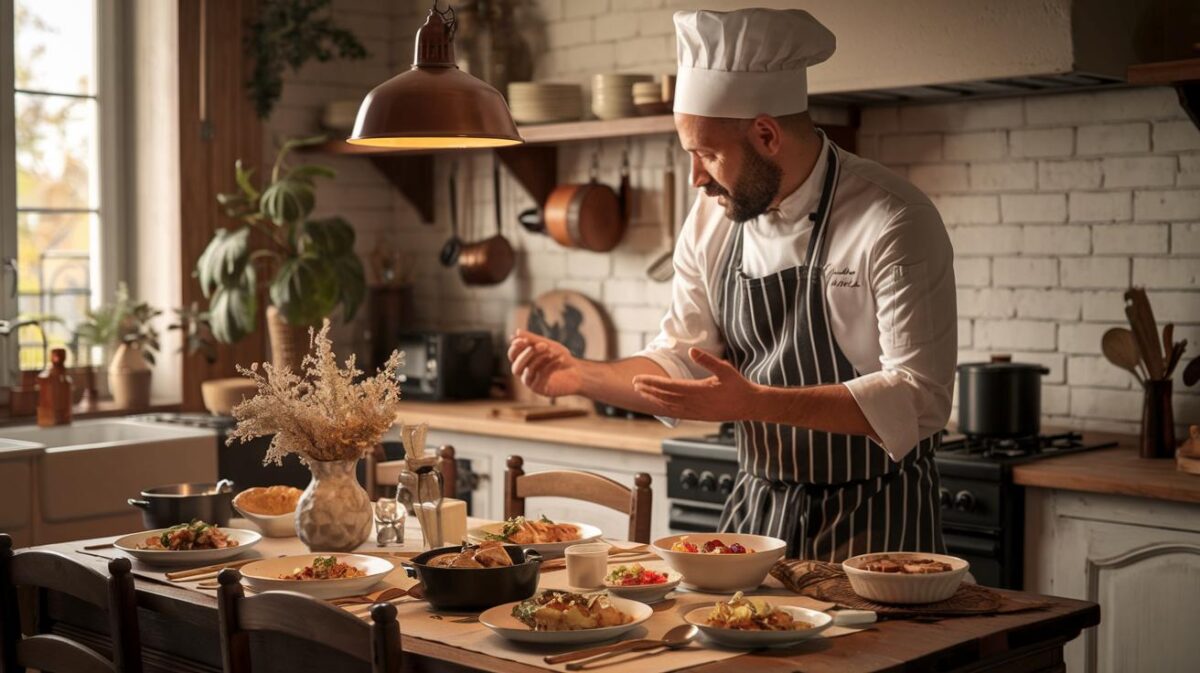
{"x": 756, "y": 187}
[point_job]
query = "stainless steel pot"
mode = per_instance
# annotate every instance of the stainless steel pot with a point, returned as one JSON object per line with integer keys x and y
{"x": 166, "y": 506}
{"x": 1000, "y": 398}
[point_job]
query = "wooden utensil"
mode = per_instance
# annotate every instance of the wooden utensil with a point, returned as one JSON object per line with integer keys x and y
{"x": 1168, "y": 340}
{"x": 1192, "y": 374}
{"x": 388, "y": 594}
{"x": 1177, "y": 351}
{"x": 1145, "y": 331}
{"x": 662, "y": 269}
{"x": 537, "y": 412}
{"x": 1119, "y": 348}
{"x": 194, "y": 574}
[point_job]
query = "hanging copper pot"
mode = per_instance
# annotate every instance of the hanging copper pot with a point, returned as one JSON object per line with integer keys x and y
{"x": 590, "y": 216}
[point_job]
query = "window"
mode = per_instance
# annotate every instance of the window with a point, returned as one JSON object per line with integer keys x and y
{"x": 63, "y": 209}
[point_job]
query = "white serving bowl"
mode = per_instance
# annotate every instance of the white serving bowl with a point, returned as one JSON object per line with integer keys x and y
{"x": 646, "y": 593}
{"x": 722, "y": 573}
{"x": 271, "y": 525}
{"x": 264, "y": 575}
{"x": 740, "y": 638}
{"x": 901, "y": 588}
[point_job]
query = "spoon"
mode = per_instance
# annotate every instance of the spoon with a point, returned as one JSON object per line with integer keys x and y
{"x": 373, "y": 597}
{"x": 1119, "y": 348}
{"x": 453, "y": 245}
{"x": 675, "y": 638}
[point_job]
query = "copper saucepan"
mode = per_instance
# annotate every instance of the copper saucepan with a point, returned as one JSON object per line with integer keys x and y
{"x": 489, "y": 261}
{"x": 590, "y": 216}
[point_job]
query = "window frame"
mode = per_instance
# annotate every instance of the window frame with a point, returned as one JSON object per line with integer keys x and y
{"x": 109, "y": 241}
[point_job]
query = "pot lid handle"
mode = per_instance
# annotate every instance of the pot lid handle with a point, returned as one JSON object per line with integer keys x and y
{"x": 1002, "y": 357}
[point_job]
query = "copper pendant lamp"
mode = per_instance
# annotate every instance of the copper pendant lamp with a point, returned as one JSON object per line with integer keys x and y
{"x": 434, "y": 105}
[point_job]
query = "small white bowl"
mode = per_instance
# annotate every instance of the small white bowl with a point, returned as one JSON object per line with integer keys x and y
{"x": 271, "y": 525}
{"x": 740, "y": 638}
{"x": 646, "y": 593}
{"x": 722, "y": 573}
{"x": 902, "y": 588}
{"x": 264, "y": 575}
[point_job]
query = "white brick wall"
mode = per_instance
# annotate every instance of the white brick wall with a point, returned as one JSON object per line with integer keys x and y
{"x": 1054, "y": 204}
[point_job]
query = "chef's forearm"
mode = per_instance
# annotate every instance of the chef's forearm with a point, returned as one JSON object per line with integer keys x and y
{"x": 612, "y": 383}
{"x": 828, "y": 408}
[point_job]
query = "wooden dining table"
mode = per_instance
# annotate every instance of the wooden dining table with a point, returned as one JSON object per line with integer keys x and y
{"x": 179, "y": 635}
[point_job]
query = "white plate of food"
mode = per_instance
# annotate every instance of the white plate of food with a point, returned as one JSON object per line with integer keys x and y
{"x": 753, "y": 622}
{"x": 328, "y": 575}
{"x": 905, "y": 577}
{"x": 271, "y": 508}
{"x": 720, "y": 562}
{"x": 638, "y": 583}
{"x": 565, "y": 618}
{"x": 546, "y": 537}
{"x": 195, "y": 543}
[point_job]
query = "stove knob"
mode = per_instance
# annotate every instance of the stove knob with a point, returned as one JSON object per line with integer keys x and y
{"x": 964, "y": 501}
{"x": 689, "y": 479}
{"x": 944, "y": 497}
{"x": 725, "y": 484}
{"x": 708, "y": 481}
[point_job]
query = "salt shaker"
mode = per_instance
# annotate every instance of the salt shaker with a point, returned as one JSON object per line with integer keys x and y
{"x": 389, "y": 522}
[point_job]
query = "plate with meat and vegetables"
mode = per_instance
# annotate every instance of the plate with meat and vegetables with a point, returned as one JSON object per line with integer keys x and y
{"x": 563, "y": 617}
{"x": 328, "y": 575}
{"x": 196, "y": 542}
{"x": 546, "y": 537}
{"x": 753, "y": 622}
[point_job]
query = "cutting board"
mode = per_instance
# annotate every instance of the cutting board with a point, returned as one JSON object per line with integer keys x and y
{"x": 571, "y": 319}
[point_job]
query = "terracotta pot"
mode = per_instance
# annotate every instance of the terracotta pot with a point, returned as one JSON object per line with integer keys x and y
{"x": 334, "y": 513}
{"x": 220, "y": 396}
{"x": 129, "y": 377}
{"x": 289, "y": 343}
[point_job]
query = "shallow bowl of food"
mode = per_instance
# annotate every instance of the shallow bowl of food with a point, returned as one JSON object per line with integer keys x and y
{"x": 905, "y": 577}
{"x": 805, "y": 624}
{"x": 642, "y": 587}
{"x": 742, "y": 568}
{"x": 456, "y": 578}
{"x": 156, "y": 547}
{"x": 315, "y": 575}
{"x": 503, "y": 620}
{"x": 271, "y": 508}
{"x": 547, "y": 538}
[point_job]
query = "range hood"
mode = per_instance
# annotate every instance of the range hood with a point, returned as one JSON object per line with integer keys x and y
{"x": 926, "y": 50}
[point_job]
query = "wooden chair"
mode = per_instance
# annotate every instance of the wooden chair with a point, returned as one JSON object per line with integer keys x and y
{"x": 303, "y": 617}
{"x": 53, "y": 653}
{"x": 578, "y": 485}
{"x": 383, "y": 475}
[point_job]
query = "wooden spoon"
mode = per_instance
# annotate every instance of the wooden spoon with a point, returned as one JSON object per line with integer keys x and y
{"x": 1120, "y": 348}
{"x": 1145, "y": 332}
{"x": 373, "y": 597}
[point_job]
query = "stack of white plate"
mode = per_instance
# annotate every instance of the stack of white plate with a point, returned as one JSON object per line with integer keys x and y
{"x": 542, "y": 102}
{"x": 612, "y": 94}
{"x": 647, "y": 98}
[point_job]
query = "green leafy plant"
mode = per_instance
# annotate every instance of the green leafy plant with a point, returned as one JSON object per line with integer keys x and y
{"x": 286, "y": 34}
{"x": 309, "y": 265}
{"x": 193, "y": 322}
{"x": 124, "y": 321}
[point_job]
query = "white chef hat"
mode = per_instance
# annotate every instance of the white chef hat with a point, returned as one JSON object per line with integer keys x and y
{"x": 747, "y": 62}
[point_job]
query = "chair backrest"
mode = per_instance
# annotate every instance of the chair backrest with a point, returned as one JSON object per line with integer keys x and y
{"x": 58, "y": 572}
{"x": 579, "y": 485}
{"x": 304, "y": 617}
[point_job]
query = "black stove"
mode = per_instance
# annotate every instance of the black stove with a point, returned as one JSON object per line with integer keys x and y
{"x": 983, "y": 511}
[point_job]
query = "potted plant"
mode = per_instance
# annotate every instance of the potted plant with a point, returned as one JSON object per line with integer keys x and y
{"x": 331, "y": 417}
{"x": 126, "y": 325}
{"x": 308, "y": 265}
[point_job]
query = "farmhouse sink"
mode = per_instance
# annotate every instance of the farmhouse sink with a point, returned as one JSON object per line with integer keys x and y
{"x": 88, "y": 470}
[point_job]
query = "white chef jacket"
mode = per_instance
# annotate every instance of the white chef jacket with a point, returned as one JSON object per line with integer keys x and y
{"x": 889, "y": 289}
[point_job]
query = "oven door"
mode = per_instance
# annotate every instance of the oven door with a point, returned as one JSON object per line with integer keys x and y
{"x": 985, "y": 556}
{"x": 693, "y": 517}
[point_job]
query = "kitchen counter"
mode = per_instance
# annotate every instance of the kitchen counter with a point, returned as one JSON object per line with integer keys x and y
{"x": 1114, "y": 471}
{"x": 620, "y": 434}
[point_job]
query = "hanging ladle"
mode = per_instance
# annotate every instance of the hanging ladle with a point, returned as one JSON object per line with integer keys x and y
{"x": 453, "y": 245}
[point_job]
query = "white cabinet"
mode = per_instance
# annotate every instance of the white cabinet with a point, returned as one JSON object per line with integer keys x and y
{"x": 488, "y": 456}
{"x": 1138, "y": 558}
{"x": 16, "y": 497}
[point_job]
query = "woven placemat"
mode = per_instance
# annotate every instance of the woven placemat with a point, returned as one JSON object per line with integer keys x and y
{"x": 826, "y": 582}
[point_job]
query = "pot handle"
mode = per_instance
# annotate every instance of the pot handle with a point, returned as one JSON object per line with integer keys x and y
{"x": 623, "y": 190}
{"x": 532, "y": 556}
{"x": 140, "y": 504}
{"x": 532, "y": 220}
{"x": 411, "y": 571}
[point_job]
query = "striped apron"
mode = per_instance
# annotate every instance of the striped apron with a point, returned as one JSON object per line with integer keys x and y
{"x": 829, "y": 496}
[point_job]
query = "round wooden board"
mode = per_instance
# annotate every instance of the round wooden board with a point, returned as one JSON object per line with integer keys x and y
{"x": 571, "y": 319}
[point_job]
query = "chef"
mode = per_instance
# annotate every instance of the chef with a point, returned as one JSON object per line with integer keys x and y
{"x": 813, "y": 305}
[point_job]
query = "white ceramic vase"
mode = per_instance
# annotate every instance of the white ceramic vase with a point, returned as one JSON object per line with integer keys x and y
{"x": 334, "y": 513}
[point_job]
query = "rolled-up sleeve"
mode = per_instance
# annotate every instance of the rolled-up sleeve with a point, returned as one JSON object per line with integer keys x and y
{"x": 689, "y": 321}
{"x": 911, "y": 270}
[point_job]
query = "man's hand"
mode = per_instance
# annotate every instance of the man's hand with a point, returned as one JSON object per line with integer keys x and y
{"x": 545, "y": 366}
{"x": 724, "y": 396}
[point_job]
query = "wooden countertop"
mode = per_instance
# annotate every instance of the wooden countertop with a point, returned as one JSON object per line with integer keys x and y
{"x": 1117, "y": 471}
{"x": 475, "y": 417}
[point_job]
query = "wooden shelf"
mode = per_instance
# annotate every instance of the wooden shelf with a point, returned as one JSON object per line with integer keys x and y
{"x": 1165, "y": 72}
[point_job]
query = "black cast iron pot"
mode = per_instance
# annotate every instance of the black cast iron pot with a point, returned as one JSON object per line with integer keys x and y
{"x": 472, "y": 589}
{"x": 166, "y": 506}
{"x": 1000, "y": 398}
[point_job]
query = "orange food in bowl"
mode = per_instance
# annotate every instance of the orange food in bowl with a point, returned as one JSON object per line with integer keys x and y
{"x": 269, "y": 500}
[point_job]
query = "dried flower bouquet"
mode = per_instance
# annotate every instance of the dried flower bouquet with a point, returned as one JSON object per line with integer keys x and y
{"x": 320, "y": 414}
